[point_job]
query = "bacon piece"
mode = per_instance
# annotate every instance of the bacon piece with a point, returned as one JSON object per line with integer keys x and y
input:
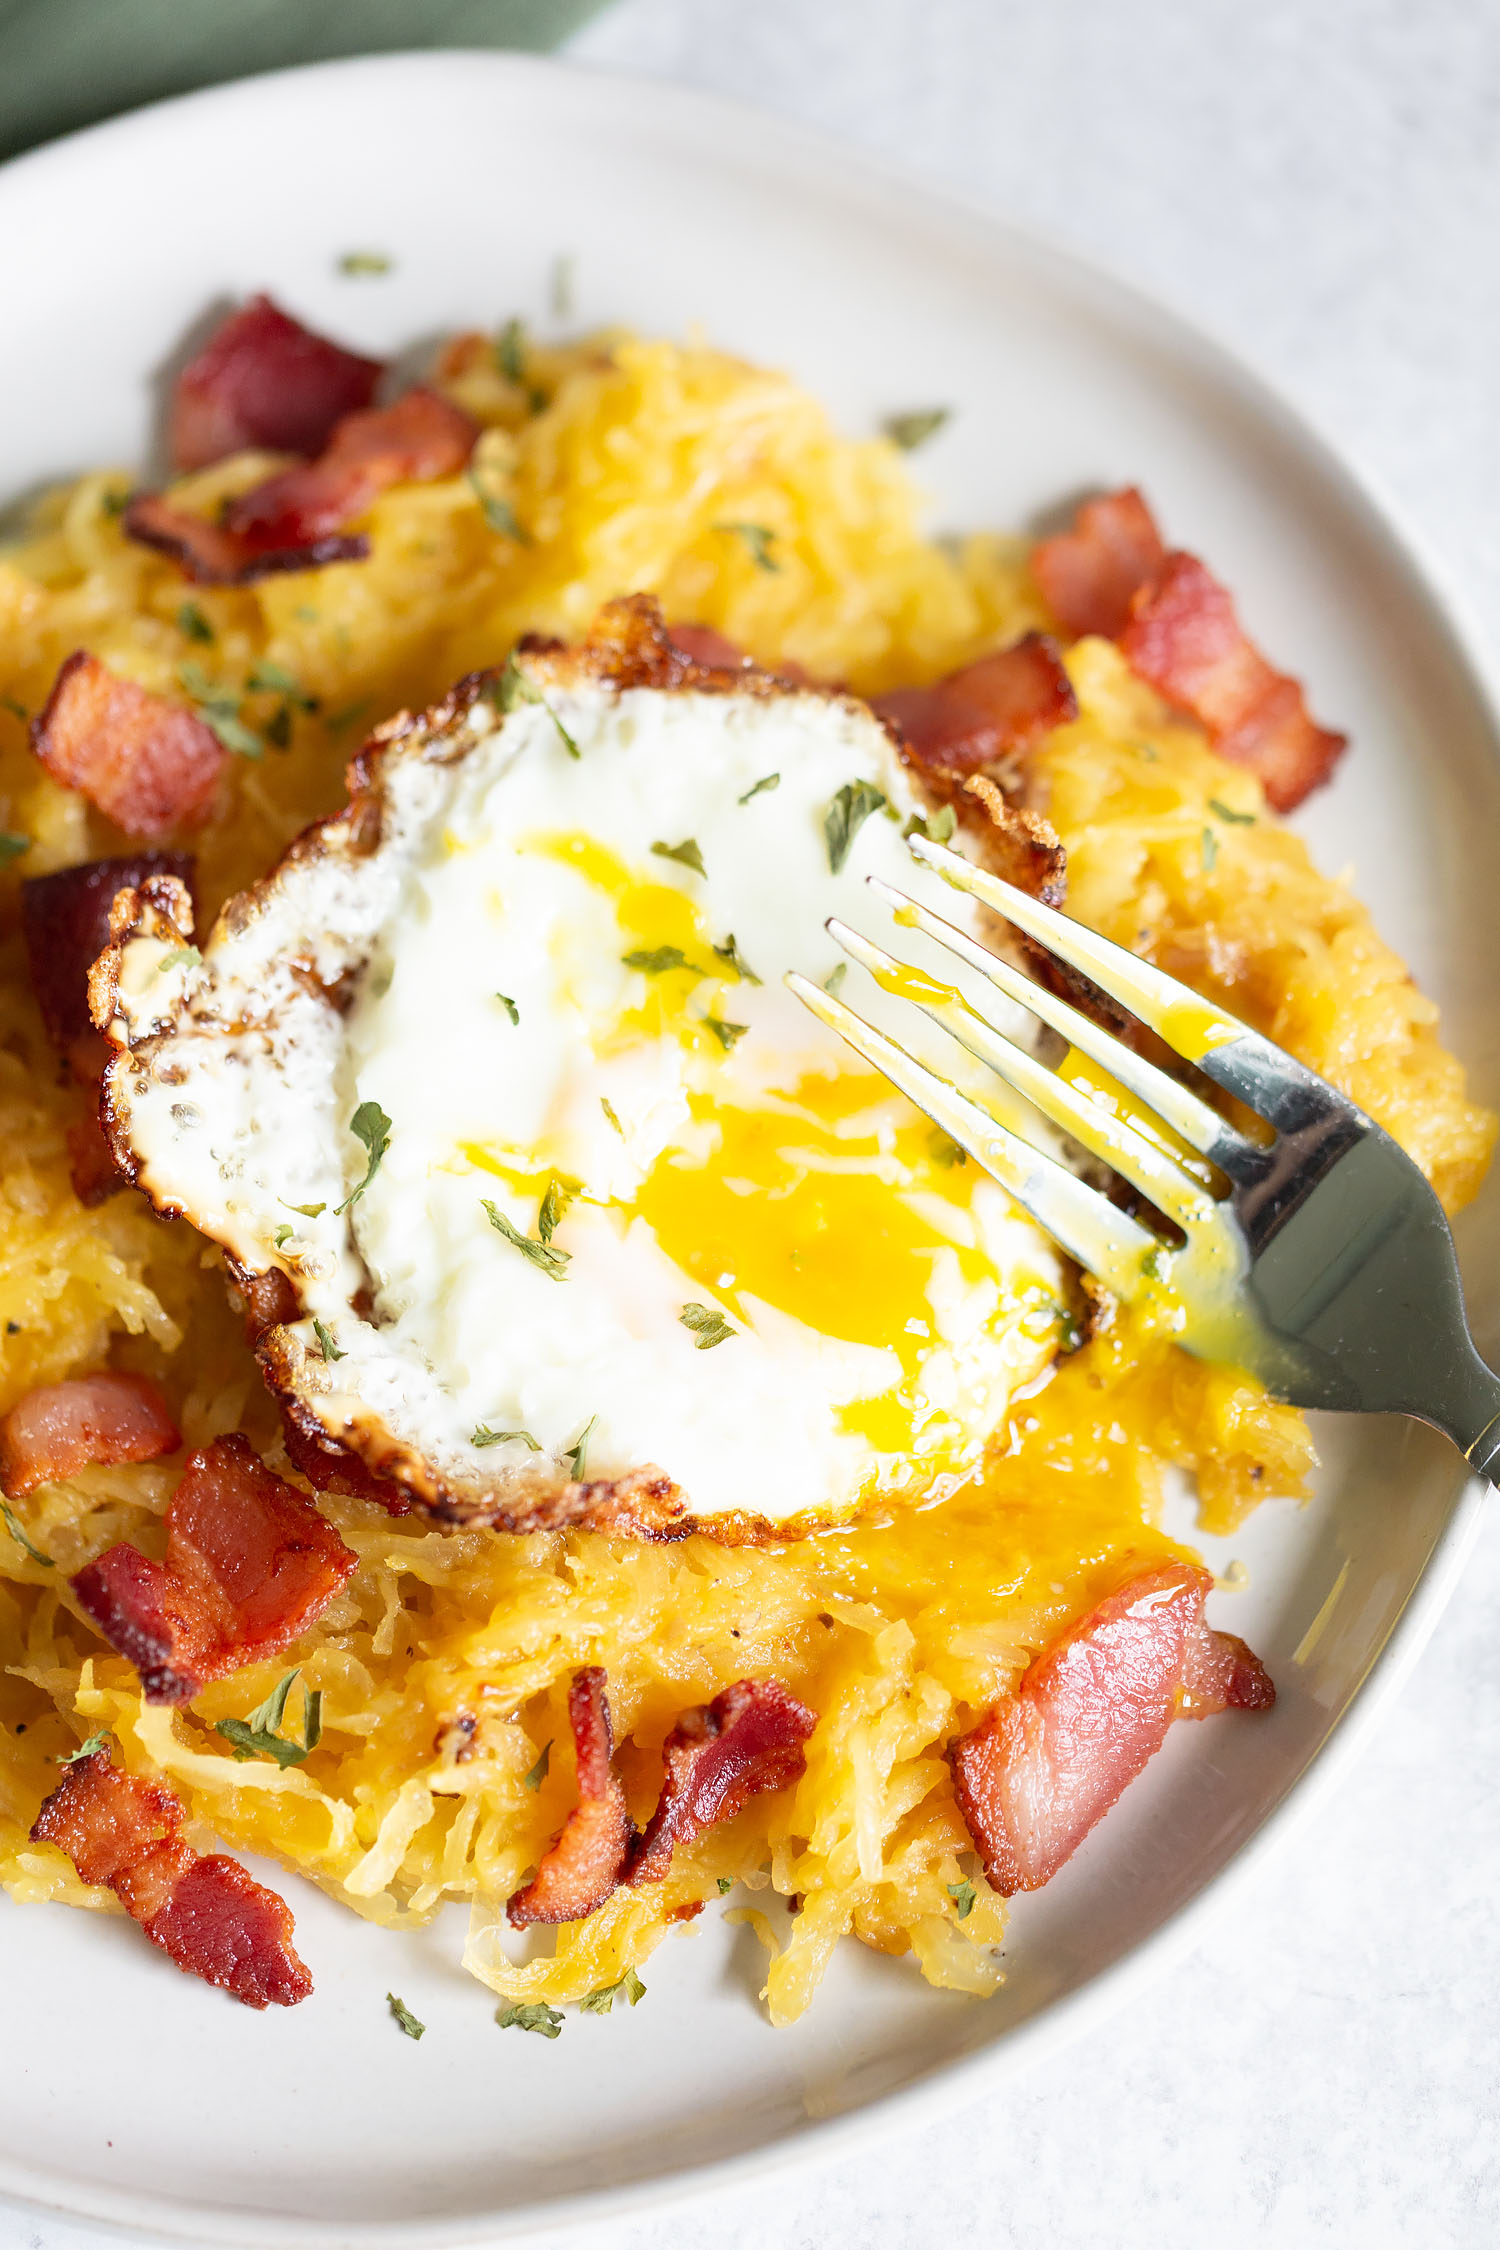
{"x": 1184, "y": 637}
{"x": 250, "y": 1563}
{"x": 1220, "y": 1673}
{"x": 706, "y": 645}
{"x": 212, "y": 556}
{"x": 148, "y": 764}
{"x": 294, "y": 521}
{"x": 206, "y": 1914}
{"x": 55, "y": 1431}
{"x": 1050, "y": 1759}
{"x": 262, "y": 379}
{"x": 717, "y": 1757}
{"x": 92, "y": 1168}
{"x": 1089, "y": 574}
{"x": 330, "y": 1467}
{"x": 986, "y": 712}
{"x": 65, "y": 924}
{"x": 583, "y": 1865}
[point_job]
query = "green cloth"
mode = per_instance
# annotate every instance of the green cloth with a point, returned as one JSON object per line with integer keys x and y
{"x": 65, "y": 63}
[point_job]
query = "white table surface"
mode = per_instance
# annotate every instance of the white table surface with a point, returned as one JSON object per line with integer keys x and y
{"x": 1319, "y": 182}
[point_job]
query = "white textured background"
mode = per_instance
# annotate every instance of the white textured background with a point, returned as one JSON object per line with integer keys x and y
{"x": 1318, "y": 181}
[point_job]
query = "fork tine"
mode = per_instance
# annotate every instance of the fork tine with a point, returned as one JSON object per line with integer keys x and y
{"x": 1187, "y": 1023}
{"x": 1112, "y": 1139}
{"x": 1181, "y": 1110}
{"x": 1109, "y": 1243}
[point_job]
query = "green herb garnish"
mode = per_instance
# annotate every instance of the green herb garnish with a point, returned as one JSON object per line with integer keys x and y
{"x": 686, "y": 854}
{"x": 336, "y": 721}
{"x": 562, "y": 1191}
{"x": 219, "y": 709}
{"x": 192, "y": 622}
{"x": 531, "y": 2015}
{"x": 1208, "y": 845}
{"x": 1227, "y": 812}
{"x": 12, "y": 845}
{"x": 833, "y": 983}
{"x": 708, "y": 1325}
{"x": 258, "y": 1736}
{"x": 304, "y": 1210}
{"x": 499, "y": 514}
{"x": 370, "y": 1125}
{"x": 655, "y": 961}
{"x": 114, "y": 503}
{"x": 577, "y": 1452}
{"x": 21, "y": 1539}
{"x": 628, "y": 1987}
{"x": 513, "y": 688}
{"x": 730, "y": 954}
{"x": 283, "y": 1235}
{"x": 538, "y": 1774}
{"x": 937, "y": 826}
{"x": 725, "y": 1884}
{"x": 761, "y": 788}
{"x": 846, "y": 816}
{"x": 360, "y": 265}
{"x": 404, "y": 2017}
{"x": 510, "y": 351}
{"x": 726, "y": 1033}
{"x": 509, "y": 1006}
{"x": 544, "y": 1255}
{"x": 89, "y": 1749}
{"x": 610, "y": 1117}
{"x": 484, "y": 1435}
{"x": 914, "y": 429}
{"x": 963, "y": 1896}
{"x": 326, "y": 1344}
{"x": 758, "y": 538}
{"x": 946, "y": 1151}
{"x": 275, "y": 679}
{"x": 179, "y": 957}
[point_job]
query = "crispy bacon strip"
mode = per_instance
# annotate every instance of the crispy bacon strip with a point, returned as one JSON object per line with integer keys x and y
{"x": 92, "y": 1169}
{"x": 1089, "y": 575}
{"x": 296, "y": 519}
{"x": 207, "y": 1914}
{"x": 706, "y": 645}
{"x": 1050, "y": 1759}
{"x": 984, "y": 714}
{"x": 60, "y": 1428}
{"x": 65, "y": 925}
{"x": 264, "y": 380}
{"x": 148, "y": 764}
{"x": 583, "y": 1865}
{"x": 717, "y": 1757}
{"x": 1184, "y": 637}
{"x": 250, "y": 1563}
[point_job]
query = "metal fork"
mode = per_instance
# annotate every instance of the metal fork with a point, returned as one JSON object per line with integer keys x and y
{"x": 1318, "y": 1258}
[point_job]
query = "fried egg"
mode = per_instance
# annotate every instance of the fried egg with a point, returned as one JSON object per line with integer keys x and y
{"x": 581, "y": 1216}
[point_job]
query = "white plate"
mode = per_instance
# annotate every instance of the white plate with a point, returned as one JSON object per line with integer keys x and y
{"x": 134, "y": 2095}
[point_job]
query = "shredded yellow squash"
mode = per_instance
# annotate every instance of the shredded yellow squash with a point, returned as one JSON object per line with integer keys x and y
{"x": 631, "y": 466}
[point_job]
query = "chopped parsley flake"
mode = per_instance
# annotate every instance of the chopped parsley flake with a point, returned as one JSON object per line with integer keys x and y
{"x": 338, "y": 720}
{"x": 192, "y": 622}
{"x": 509, "y": 1006}
{"x": 946, "y": 1151}
{"x": 20, "y": 1537}
{"x": 846, "y": 816}
{"x": 628, "y": 1987}
{"x": 578, "y": 1451}
{"x": 283, "y": 1235}
{"x": 531, "y": 2015}
{"x": 708, "y": 1325}
{"x": 12, "y": 845}
{"x": 725, "y": 1885}
{"x": 937, "y": 826}
{"x": 686, "y": 854}
{"x": 833, "y": 983}
{"x": 259, "y": 1735}
{"x": 370, "y": 1125}
{"x": 963, "y": 1896}
{"x": 1227, "y": 812}
{"x": 404, "y": 2017}
{"x": 114, "y": 503}
{"x": 499, "y": 514}
{"x": 761, "y": 788}
{"x": 95, "y": 1743}
{"x": 656, "y": 960}
{"x": 179, "y": 957}
{"x": 730, "y": 954}
{"x": 758, "y": 538}
{"x": 726, "y": 1033}
{"x": 562, "y": 1191}
{"x": 219, "y": 709}
{"x": 510, "y": 352}
{"x": 1208, "y": 844}
{"x": 914, "y": 429}
{"x": 304, "y": 1210}
{"x": 17, "y": 710}
{"x": 484, "y": 1435}
{"x": 544, "y": 1255}
{"x": 363, "y": 264}
{"x": 513, "y": 688}
{"x": 610, "y": 1117}
{"x": 1069, "y": 1330}
{"x": 275, "y": 679}
{"x": 538, "y": 1774}
{"x": 326, "y": 1344}
{"x": 1154, "y": 1265}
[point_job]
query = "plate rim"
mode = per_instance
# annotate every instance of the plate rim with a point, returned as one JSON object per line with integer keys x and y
{"x": 967, "y": 2077}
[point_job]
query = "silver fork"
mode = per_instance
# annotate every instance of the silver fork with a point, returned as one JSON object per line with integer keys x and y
{"x": 1319, "y": 1259}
